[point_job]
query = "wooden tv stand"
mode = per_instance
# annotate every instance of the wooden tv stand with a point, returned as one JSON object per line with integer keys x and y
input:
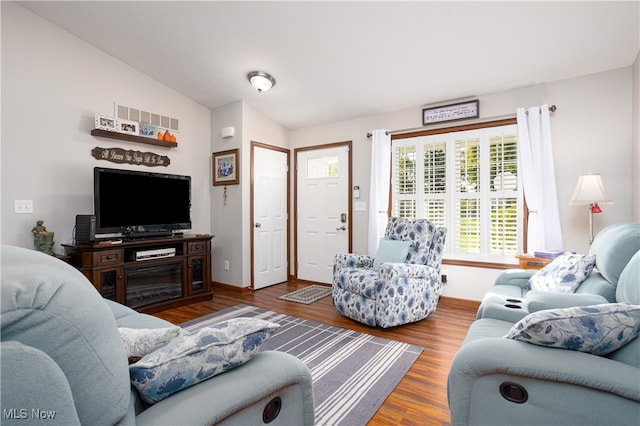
{"x": 153, "y": 284}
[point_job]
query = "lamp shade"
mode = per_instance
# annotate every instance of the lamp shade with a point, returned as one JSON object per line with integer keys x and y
{"x": 589, "y": 190}
{"x": 261, "y": 81}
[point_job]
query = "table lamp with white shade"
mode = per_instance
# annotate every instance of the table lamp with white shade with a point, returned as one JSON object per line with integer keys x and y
{"x": 590, "y": 192}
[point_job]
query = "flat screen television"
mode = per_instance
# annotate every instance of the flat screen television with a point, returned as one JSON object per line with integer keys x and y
{"x": 140, "y": 204}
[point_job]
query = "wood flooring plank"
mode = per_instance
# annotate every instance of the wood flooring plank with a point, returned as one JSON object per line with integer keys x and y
{"x": 421, "y": 397}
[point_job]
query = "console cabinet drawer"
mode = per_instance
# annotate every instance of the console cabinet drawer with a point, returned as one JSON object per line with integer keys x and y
{"x": 108, "y": 257}
{"x": 198, "y": 247}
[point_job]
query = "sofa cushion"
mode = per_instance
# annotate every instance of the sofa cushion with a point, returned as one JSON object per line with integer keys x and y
{"x": 192, "y": 358}
{"x": 628, "y": 289}
{"x": 564, "y": 274}
{"x": 51, "y": 306}
{"x": 140, "y": 341}
{"x": 394, "y": 251}
{"x": 613, "y": 247}
{"x": 596, "y": 329}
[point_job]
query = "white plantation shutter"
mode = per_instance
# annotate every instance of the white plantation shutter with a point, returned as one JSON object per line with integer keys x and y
{"x": 435, "y": 181}
{"x": 403, "y": 158}
{"x": 503, "y": 163}
{"x": 466, "y": 181}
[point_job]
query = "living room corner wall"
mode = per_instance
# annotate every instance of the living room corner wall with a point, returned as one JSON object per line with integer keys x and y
{"x": 52, "y": 84}
{"x": 230, "y": 222}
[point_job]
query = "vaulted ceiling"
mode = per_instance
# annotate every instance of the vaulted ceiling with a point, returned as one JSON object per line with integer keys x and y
{"x": 342, "y": 60}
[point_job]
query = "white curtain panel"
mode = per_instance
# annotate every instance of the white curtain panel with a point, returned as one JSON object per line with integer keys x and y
{"x": 536, "y": 166}
{"x": 379, "y": 187}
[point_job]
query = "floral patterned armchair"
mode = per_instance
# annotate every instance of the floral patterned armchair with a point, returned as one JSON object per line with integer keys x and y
{"x": 397, "y": 293}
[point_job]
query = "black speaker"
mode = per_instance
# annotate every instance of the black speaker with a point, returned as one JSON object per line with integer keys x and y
{"x": 85, "y": 228}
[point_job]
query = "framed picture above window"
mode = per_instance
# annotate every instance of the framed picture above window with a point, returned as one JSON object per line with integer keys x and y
{"x": 453, "y": 112}
{"x": 226, "y": 169}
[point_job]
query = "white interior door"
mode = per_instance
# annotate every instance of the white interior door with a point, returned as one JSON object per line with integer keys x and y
{"x": 270, "y": 176}
{"x": 322, "y": 209}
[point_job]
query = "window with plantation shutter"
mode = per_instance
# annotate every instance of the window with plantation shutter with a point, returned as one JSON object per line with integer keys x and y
{"x": 465, "y": 180}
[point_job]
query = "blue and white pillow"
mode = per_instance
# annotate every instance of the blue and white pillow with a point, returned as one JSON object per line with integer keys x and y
{"x": 595, "y": 329}
{"x": 192, "y": 358}
{"x": 140, "y": 341}
{"x": 564, "y": 274}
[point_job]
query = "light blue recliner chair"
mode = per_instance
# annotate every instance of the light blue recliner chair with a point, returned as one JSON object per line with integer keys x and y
{"x": 499, "y": 381}
{"x": 510, "y": 299}
{"x": 64, "y": 362}
{"x": 398, "y": 292}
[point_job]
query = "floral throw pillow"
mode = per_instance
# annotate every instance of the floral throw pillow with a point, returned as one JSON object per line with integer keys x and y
{"x": 140, "y": 341}
{"x": 193, "y": 358}
{"x": 596, "y": 329}
{"x": 564, "y": 274}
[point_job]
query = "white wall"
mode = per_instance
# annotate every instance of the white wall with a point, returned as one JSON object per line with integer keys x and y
{"x": 226, "y": 220}
{"x": 231, "y": 222}
{"x": 591, "y": 130}
{"x": 52, "y": 84}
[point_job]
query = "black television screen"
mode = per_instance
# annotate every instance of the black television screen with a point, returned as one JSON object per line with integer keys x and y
{"x": 131, "y": 202}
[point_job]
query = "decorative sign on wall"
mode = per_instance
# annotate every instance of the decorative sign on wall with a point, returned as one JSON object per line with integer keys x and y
{"x": 123, "y": 156}
{"x": 453, "y": 112}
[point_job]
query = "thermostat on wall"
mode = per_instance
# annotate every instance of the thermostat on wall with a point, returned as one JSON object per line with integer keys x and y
{"x": 227, "y": 132}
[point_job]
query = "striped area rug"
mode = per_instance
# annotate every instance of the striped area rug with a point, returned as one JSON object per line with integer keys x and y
{"x": 353, "y": 373}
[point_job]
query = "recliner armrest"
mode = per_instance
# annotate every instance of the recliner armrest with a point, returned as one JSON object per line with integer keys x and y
{"x": 541, "y": 300}
{"x": 34, "y": 385}
{"x": 516, "y": 277}
{"x": 549, "y": 375}
{"x": 352, "y": 260}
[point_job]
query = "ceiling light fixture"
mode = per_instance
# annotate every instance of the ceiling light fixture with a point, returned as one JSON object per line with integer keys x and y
{"x": 261, "y": 81}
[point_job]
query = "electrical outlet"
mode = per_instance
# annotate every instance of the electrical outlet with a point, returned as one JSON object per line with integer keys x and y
{"x": 22, "y": 206}
{"x": 443, "y": 276}
{"x": 226, "y": 265}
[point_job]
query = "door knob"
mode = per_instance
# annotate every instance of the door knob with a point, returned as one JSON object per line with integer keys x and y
{"x": 258, "y": 225}
{"x": 342, "y": 228}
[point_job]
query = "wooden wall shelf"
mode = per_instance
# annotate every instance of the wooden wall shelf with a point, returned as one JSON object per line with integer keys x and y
{"x": 132, "y": 138}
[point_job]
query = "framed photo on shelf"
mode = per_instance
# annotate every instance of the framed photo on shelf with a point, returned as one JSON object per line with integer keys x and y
{"x": 127, "y": 126}
{"x": 104, "y": 122}
{"x": 453, "y": 112}
{"x": 226, "y": 168}
{"x": 147, "y": 130}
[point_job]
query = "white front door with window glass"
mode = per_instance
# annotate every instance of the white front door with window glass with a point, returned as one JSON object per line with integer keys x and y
{"x": 270, "y": 177}
{"x": 323, "y": 209}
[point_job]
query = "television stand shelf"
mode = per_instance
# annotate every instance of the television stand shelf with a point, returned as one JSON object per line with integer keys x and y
{"x": 179, "y": 275}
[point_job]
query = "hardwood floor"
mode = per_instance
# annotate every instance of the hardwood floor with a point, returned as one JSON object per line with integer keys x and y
{"x": 421, "y": 397}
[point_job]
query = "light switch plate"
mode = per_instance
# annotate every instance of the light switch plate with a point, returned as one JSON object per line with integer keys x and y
{"x": 22, "y": 206}
{"x": 360, "y": 206}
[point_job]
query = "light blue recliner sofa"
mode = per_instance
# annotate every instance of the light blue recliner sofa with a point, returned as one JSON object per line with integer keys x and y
{"x": 495, "y": 380}
{"x": 398, "y": 292}
{"x": 510, "y": 299}
{"x": 63, "y": 361}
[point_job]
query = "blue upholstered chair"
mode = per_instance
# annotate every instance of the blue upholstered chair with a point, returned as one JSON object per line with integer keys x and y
{"x": 397, "y": 292}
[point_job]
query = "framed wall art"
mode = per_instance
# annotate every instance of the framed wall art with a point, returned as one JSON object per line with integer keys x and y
{"x": 226, "y": 170}
{"x": 452, "y": 112}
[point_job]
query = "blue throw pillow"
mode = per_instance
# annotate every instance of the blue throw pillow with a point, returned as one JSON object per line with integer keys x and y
{"x": 394, "y": 251}
{"x": 596, "y": 329}
{"x": 564, "y": 274}
{"x": 192, "y": 358}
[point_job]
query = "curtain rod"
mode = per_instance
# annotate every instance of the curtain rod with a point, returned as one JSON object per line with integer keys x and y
{"x": 552, "y": 108}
